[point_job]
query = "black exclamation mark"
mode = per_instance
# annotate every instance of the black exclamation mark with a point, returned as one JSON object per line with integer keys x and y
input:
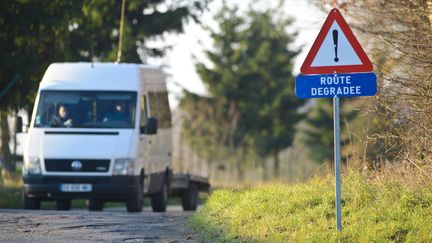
{"x": 335, "y": 42}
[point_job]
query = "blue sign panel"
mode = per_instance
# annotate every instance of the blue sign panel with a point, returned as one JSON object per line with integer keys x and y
{"x": 336, "y": 85}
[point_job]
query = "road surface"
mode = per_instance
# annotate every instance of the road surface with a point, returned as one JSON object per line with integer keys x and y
{"x": 111, "y": 225}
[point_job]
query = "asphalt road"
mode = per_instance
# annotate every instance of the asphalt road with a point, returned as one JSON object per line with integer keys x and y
{"x": 111, "y": 225}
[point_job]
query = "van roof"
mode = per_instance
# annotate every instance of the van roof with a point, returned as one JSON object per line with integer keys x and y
{"x": 95, "y": 76}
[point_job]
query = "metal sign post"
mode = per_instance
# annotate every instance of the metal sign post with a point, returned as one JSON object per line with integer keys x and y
{"x": 336, "y": 125}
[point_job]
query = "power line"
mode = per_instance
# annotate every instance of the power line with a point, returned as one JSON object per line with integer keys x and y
{"x": 119, "y": 52}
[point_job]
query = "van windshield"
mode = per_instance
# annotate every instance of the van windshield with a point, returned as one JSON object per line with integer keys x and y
{"x": 86, "y": 109}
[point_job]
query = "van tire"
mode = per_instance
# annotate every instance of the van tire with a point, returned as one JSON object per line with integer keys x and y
{"x": 31, "y": 202}
{"x": 190, "y": 198}
{"x": 159, "y": 200}
{"x": 95, "y": 205}
{"x": 63, "y": 204}
{"x": 135, "y": 203}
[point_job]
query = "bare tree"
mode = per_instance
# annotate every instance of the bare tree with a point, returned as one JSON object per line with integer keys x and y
{"x": 399, "y": 36}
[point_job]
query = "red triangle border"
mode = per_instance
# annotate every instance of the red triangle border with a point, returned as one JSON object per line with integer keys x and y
{"x": 335, "y": 15}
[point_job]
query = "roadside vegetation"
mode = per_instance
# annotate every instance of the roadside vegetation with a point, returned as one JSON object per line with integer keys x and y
{"x": 10, "y": 190}
{"x": 379, "y": 210}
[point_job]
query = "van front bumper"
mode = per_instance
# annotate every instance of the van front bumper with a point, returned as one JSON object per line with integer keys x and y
{"x": 112, "y": 188}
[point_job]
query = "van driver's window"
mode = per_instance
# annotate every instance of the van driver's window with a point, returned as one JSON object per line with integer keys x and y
{"x": 86, "y": 109}
{"x": 159, "y": 108}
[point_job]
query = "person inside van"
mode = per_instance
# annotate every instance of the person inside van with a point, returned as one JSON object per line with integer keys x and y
{"x": 119, "y": 113}
{"x": 62, "y": 118}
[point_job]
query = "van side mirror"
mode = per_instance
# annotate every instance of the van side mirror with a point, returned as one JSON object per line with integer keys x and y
{"x": 18, "y": 124}
{"x": 151, "y": 126}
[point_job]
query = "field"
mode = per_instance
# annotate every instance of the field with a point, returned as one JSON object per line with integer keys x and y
{"x": 372, "y": 210}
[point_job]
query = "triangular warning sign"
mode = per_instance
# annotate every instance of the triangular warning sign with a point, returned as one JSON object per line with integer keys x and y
{"x": 336, "y": 49}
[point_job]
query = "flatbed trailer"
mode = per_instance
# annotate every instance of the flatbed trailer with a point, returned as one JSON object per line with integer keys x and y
{"x": 187, "y": 187}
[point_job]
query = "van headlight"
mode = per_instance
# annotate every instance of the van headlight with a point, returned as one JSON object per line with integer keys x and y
{"x": 124, "y": 167}
{"x": 31, "y": 166}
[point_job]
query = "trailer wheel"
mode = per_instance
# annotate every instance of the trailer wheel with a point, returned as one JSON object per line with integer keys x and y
{"x": 190, "y": 198}
{"x": 63, "y": 204}
{"x": 159, "y": 200}
{"x": 95, "y": 205}
{"x": 31, "y": 202}
{"x": 135, "y": 203}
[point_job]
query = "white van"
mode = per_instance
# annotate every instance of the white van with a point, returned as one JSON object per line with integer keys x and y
{"x": 99, "y": 131}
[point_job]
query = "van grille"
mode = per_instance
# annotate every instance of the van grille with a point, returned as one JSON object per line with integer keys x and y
{"x": 87, "y": 165}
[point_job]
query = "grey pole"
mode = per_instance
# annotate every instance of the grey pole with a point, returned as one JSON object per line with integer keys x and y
{"x": 336, "y": 125}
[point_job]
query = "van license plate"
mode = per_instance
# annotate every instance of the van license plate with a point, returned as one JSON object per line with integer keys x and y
{"x": 75, "y": 187}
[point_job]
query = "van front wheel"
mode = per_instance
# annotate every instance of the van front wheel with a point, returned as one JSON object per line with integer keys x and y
{"x": 31, "y": 202}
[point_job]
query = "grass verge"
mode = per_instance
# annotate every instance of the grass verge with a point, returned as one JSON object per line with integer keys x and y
{"x": 376, "y": 211}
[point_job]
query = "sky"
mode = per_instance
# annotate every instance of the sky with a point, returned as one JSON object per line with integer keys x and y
{"x": 179, "y": 61}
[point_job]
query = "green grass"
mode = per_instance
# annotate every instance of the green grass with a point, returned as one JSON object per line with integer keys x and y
{"x": 371, "y": 211}
{"x": 10, "y": 197}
